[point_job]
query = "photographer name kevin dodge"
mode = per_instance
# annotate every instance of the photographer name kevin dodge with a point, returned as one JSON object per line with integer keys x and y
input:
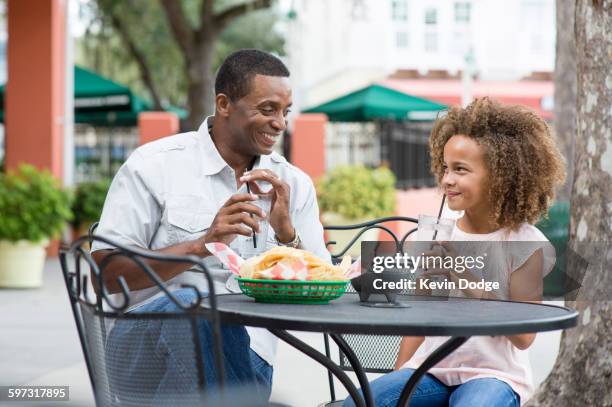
{"x": 428, "y": 284}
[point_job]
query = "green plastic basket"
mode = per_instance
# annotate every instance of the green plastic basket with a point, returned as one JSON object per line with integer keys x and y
{"x": 292, "y": 292}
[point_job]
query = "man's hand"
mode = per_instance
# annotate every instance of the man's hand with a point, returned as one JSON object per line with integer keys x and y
{"x": 238, "y": 216}
{"x": 279, "y": 194}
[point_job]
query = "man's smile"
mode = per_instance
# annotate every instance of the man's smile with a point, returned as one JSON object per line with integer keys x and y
{"x": 267, "y": 139}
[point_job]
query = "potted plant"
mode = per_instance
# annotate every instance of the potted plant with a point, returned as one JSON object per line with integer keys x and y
{"x": 88, "y": 203}
{"x": 34, "y": 208}
{"x": 355, "y": 194}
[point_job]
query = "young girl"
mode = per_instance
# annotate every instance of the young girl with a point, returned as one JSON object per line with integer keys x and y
{"x": 499, "y": 165}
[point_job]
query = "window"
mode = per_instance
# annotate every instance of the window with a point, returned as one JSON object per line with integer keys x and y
{"x": 431, "y": 30}
{"x": 431, "y": 41}
{"x": 431, "y": 16}
{"x": 399, "y": 10}
{"x": 359, "y": 10}
{"x": 462, "y": 12}
{"x": 401, "y": 39}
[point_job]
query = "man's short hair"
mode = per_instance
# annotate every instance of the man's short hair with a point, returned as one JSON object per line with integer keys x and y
{"x": 237, "y": 71}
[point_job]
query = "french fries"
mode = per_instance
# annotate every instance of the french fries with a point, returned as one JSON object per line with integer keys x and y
{"x": 259, "y": 267}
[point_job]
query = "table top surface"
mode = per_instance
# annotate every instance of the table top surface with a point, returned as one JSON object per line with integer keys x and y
{"x": 425, "y": 316}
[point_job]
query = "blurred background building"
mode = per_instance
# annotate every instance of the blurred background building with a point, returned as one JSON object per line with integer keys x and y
{"x": 445, "y": 51}
{"x": 337, "y": 46}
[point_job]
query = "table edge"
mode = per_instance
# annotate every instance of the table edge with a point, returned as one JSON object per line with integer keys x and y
{"x": 549, "y": 324}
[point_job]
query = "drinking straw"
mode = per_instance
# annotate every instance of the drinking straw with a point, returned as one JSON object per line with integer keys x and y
{"x": 439, "y": 215}
{"x": 249, "y": 191}
{"x": 437, "y": 223}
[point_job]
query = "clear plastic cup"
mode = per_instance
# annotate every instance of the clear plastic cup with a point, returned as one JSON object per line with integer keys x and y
{"x": 249, "y": 249}
{"x": 433, "y": 228}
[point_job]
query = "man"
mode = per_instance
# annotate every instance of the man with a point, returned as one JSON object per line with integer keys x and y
{"x": 176, "y": 194}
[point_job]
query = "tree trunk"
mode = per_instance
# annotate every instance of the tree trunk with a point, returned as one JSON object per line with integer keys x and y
{"x": 582, "y": 373}
{"x": 143, "y": 68}
{"x": 565, "y": 89}
{"x": 200, "y": 92}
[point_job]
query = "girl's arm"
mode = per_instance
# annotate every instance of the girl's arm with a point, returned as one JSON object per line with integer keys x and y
{"x": 526, "y": 284}
{"x": 408, "y": 346}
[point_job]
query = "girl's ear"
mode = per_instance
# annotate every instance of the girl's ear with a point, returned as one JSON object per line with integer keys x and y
{"x": 222, "y": 104}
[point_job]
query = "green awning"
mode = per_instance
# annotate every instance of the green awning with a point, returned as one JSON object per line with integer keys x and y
{"x": 378, "y": 102}
{"x": 103, "y": 102}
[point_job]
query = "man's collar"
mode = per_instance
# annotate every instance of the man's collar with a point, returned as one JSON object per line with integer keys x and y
{"x": 212, "y": 162}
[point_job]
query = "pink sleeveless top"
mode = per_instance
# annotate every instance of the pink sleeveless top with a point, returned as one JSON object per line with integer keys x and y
{"x": 486, "y": 356}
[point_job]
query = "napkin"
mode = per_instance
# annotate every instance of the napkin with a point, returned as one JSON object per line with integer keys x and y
{"x": 287, "y": 269}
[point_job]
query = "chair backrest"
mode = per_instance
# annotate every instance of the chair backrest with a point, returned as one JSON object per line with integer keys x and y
{"x": 127, "y": 363}
{"x": 359, "y": 229}
{"x": 376, "y": 353}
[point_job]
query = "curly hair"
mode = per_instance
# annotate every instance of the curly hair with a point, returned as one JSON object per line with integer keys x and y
{"x": 524, "y": 164}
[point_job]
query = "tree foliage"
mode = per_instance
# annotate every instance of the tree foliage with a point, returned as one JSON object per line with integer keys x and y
{"x": 134, "y": 42}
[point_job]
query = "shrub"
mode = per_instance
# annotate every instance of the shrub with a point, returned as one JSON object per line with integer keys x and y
{"x": 357, "y": 192}
{"x": 33, "y": 206}
{"x": 89, "y": 201}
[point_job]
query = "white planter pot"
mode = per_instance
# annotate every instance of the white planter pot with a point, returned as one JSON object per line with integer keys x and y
{"x": 344, "y": 237}
{"x": 22, "y": 263}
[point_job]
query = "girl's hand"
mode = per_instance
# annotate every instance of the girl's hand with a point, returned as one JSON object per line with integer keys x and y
{"x": 441, "y": 250}
{"x": 445, "y": 250}
{"x": 437, "y": 250}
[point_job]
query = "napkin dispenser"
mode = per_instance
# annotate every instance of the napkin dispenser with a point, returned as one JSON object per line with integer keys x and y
{"x": 373, "y": 287}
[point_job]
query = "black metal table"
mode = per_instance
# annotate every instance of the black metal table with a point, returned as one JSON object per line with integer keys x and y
{"x": 458, "y": 318}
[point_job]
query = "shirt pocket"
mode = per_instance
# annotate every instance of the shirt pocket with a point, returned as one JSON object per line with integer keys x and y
{"x": 187, "y": 218}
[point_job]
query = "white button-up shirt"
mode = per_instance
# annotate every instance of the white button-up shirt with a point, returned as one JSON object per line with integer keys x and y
{"x": 169, "y": 192}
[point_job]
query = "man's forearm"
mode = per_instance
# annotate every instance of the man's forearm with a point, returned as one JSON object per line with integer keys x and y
{"x": 135, "y": 277}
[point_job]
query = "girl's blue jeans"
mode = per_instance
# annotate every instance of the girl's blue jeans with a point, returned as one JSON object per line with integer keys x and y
{"x": 153, "y": 359}
{"x": 430, "y": 392}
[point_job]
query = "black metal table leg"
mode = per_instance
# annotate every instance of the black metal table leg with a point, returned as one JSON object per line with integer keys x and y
{"x": 443, "y": 351}
{"x": 325, "y": 361}
{"x": 330, "y": 378}
{"x": 357, "y": 368}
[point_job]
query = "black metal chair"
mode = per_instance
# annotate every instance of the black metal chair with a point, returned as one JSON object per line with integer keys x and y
{"x": 115, "y": 341}
{"x": 376, "y": 353}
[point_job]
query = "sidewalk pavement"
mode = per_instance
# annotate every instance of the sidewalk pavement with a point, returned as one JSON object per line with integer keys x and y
{"x": 39, "y": 345}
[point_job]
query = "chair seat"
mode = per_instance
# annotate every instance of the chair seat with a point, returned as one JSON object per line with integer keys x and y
{"x": 337, "y": 403}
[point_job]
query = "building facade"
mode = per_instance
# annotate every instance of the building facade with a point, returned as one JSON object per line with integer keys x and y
{"x": 337, "y": 46}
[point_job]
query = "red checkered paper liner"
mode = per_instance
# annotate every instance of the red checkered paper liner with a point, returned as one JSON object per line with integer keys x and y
{"x": 287, "y": 269}
{"x": 226, "y": 256}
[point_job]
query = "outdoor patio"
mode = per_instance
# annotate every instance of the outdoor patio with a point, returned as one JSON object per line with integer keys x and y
{"x": 40, "y": 346}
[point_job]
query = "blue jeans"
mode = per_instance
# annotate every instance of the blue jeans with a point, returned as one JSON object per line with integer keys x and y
{"x": 151, "y": 361}
{"x": 430, "y": 392}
